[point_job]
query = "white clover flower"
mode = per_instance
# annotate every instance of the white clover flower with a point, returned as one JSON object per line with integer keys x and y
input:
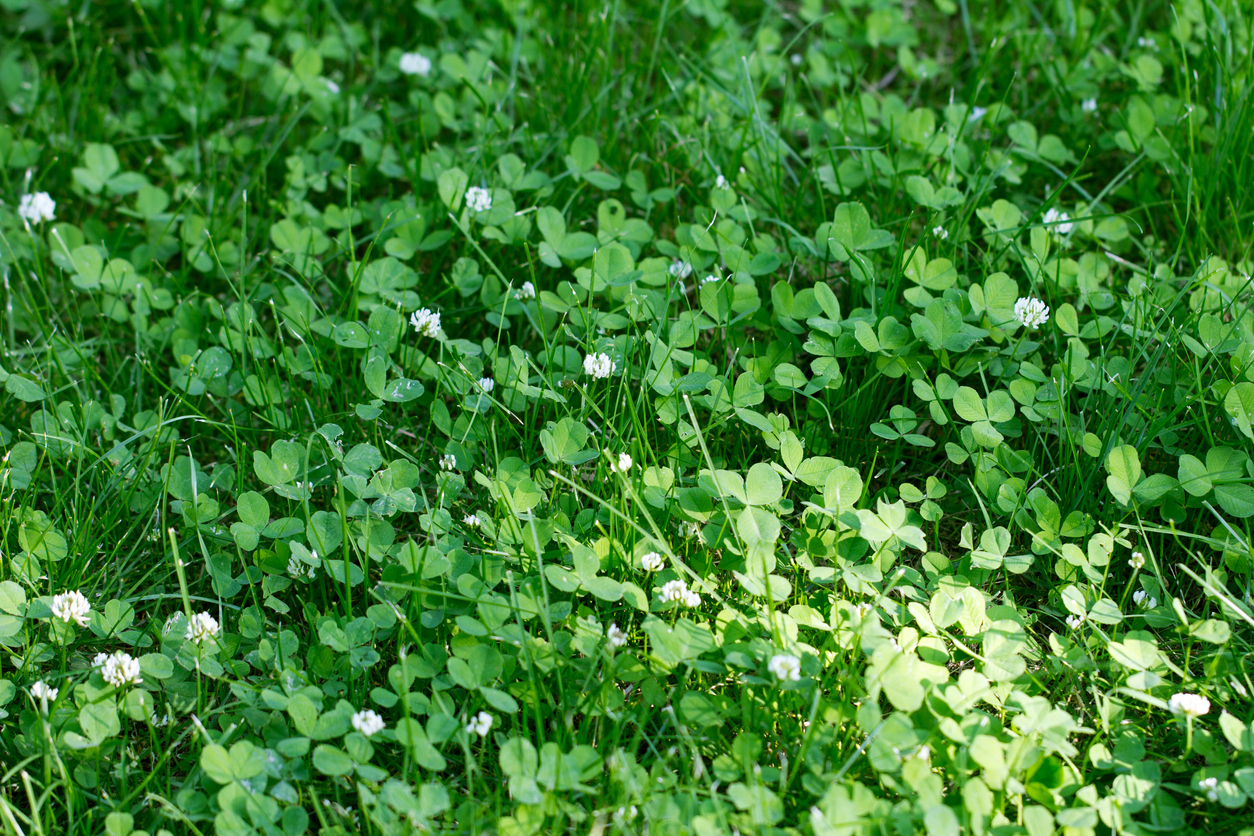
{"x": 1031, "y": 313}
{"x": 1146, "y": 42}
{"x": 940, "y": 232}
{"x": 41, "y": 691}
{"x": 598, "y": 366}
{"x": 673, "y": 591}
{"x": 796, "y": 59}
{"x": 300, "y": 570}
{"x": 622, "y": 464}
{"x": 472, "y": 520}
{"x": 202, "y": 626}
{"x": 1089, "y": 105}
{"x": 709, "y": 278}
{"x": 720, "y": 182}
{"x": 652, "y": 562}
{"x": 415, "y": 63}
{"x": 1058, "y": 221}
{"x": 864, "y": 609}
{"x": 37, "y": 207}
{"x": 785, "y": 667}
{"x": 1074, "y": 621}
{"x": 1211, "y": 787}
{"x": 977, "y": 113}
{"x": 1190, "y": 705}
{"x": 99, "y": 659}
{"x": 332, "y": 87}
{"x": 367, "y": 722}
{"x": 448, "y": 462}
{"x": 478, "y": 199}
{"x": 678, "y": 591}
{"x": 615, "y": 636}
{"x": 71, "y": 606}
{"x": 526, "y": 291}
{"x": 680, "y": 269}
{"x": 1143, "y": 599}
{"x": 924, "y": 753}
{"x": 479, "y": 724}
{"x": 1137, "y": 561}
{"x": 486, "y": 385}
{"x": 121, "y": 669}
{"x": 426, "y": 322}
{"x": 691, "y": 530}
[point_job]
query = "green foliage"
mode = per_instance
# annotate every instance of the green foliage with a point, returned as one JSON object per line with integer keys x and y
{"x": 695, "y": 418}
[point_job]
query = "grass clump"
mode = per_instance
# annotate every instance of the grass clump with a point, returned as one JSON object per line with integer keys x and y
{"x": 517, "y": 418}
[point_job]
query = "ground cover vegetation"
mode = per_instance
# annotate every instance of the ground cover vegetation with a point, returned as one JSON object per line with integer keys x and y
{"x": 672, "y": 417}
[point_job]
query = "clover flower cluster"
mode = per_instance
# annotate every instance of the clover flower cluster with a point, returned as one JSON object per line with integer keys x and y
{"x": 71, "y": 606}
{"x": 37, "y": 207}
{"x": 478, "y": 199}
{"x": 415, "y": 63}
{"x": 42, "y": 691}
{"x": 785, "y": 667}
{"x": 426, "y": 322}
{"x": 1058, "y": 221}
{"x": 300, "y": 570}
{"x": 200, "y": 627}
{"x": 598, "y": 366}
{"x": 1188, "y": 705}
{"x": 480, "y": 724}
{"x": 368, "y": 722}
{"x": 615, "y": 636}
{"x": 1030, "y": 312}
{"x": 119, "y": 668}
{"x": 678, "y": 591}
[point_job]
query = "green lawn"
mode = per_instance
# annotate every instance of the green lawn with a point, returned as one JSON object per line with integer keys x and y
{"x": 708, "y": 417}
